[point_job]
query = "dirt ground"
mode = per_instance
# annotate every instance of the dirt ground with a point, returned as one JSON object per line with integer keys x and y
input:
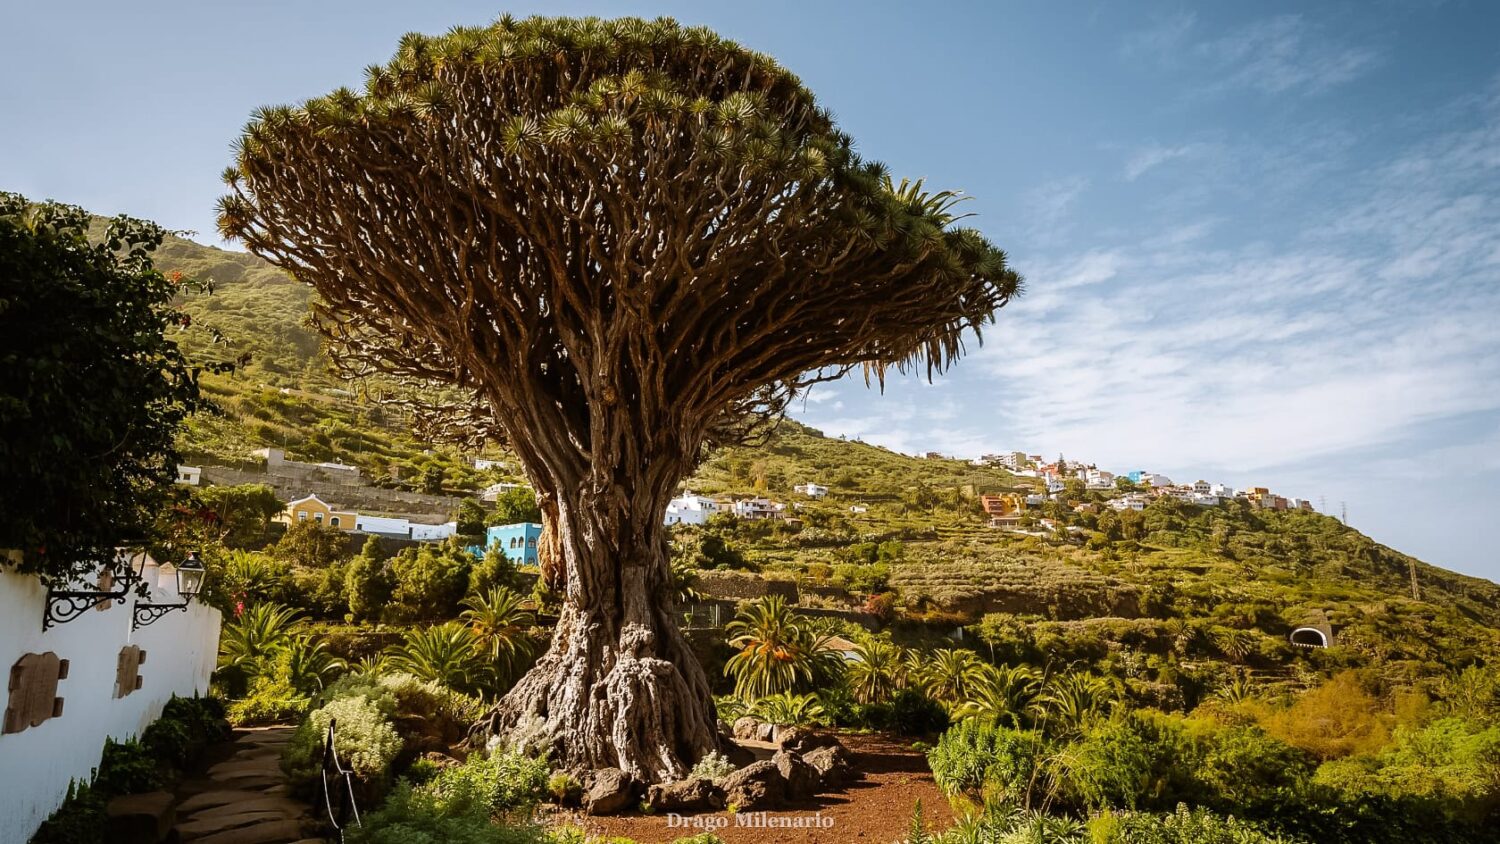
{"x": 876, "y": 809}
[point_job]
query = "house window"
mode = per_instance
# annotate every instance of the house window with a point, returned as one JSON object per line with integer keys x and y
{"x": 301, "y": 515}
{"x": 318, "y": 517}
{"x": 334, "y": 521}
{"x": 531, "y": 543}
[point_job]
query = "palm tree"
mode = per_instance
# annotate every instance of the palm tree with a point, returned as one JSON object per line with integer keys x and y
{"x": 1001, "y": 695}
{"x": 256, "y": 635}
{"x": 783, "y": 708}
{"x": 775, "y": 651}
{"x": 309, "y": 665}
{"x": 502, "y": 626}
{"x": 448, "y": 654}
{"x": 948, "y": 674}
{"x": 1234, "y": 643}
{"x": 878, "y": 671}
{"x": 1071, "y": 699}
{"x": 684, "y": 577}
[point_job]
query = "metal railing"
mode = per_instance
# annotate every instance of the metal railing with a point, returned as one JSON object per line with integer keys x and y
{"x": 338, "y": 799}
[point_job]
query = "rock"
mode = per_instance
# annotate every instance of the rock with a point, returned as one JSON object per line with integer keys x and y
{"x": 272, "y": 832}
{"x": 747, "y": 727}
{"x": 738, "y": 756}
{"x": 755, "y": 787}
{"x": 694, "y": 795}
{"x": 832, "y": 764}
{"x": 766, "y": 732}
{"x": 802, "y": 780}
{"x": 802, "y": 739}
{"x": 140, "y": 818}
{"x": 610, "y": 792}
{"x": 440, "y": 759}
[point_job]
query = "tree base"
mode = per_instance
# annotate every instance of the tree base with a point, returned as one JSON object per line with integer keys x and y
{"x": 637, "y": 701}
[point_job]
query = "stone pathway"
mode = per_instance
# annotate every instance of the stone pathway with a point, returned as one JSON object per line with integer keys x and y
{"x": 243, "y": 798}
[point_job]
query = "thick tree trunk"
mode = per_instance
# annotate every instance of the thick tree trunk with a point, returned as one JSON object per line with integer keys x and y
{"x": 619, "y": 687}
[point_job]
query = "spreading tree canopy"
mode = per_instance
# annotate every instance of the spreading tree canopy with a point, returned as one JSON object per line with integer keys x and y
{"x": 93, "y": 387}
{"x": 616, "y": 243}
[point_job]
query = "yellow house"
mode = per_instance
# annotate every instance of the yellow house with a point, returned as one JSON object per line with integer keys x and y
{"x": 315, "y": 509}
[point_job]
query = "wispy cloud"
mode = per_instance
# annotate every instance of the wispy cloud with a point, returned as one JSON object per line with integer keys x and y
{"x": 1285, "y": 54}
{"x": 1153, "y": 156}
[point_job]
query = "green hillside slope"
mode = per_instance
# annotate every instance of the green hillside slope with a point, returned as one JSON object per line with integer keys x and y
{"x": 1173, "y": 582}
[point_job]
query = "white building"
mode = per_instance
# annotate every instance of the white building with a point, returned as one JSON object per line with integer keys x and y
{"x": 858, "y": 508}
{"x": 758, "y": 508}
{"x": 483, "y": 463}
{"x": 1203, "y": 487}
{"x": 433, "y": 533}
{"x": 382, "y": 525}
{"x": 811, "y": 490}
{"x": 690, "y": 509}
{"x": 1055, "y": 484}
{"x": 1129, "y": 502}
{"x": 190, "y": 475}
{"x": 494, "y": 491}
{"x": 1156, "y": 480}
{"x": 1221, "y": 490}
{"x": 1205, "y": 499}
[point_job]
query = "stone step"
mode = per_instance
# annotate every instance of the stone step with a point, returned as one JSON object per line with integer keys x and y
{"x": 269, "y": 832}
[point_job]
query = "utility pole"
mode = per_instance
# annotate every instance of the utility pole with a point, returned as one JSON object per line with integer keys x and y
{"x": 1416, "y": 594}
{"x": 1344, "y": 512}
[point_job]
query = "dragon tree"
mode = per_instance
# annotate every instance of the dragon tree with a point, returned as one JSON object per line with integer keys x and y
{"x": 616, "y": 244}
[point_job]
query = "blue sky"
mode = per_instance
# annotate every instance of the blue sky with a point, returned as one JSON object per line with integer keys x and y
{"x": 1262, "y": 241}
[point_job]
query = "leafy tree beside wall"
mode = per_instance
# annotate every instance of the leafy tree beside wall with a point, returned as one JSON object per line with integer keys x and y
{"x": 93, "y": 387}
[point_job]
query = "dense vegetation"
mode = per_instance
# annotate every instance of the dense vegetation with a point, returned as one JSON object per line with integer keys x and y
{"x": 1135, "y": 669}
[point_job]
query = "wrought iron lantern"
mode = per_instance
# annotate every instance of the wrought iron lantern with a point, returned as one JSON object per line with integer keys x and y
{"x": 116, "y": 579}
{"x": 190, "y": 574}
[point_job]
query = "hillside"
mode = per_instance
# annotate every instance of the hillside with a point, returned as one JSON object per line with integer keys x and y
{"x": 1170, "y": 580}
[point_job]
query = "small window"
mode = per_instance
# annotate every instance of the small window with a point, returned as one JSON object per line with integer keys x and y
{"x": 334, "y": 521}
{"x": 301, "y": 515}
{"x": 531, "y": 543}
{"x": 318, "y": 517}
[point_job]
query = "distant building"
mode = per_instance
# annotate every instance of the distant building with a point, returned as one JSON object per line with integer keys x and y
{"x": 1010, "y": 521}
{"x": 316, "y": 510}
{"x": 999, "y": 505}
{"x": 433, "y": 533}
{"x": 690, "y": 509}
{"x": 483, "y": 463}
{"x": 494, "y": 491}
{"x": 758, "y": 508}
{"x": 1134, "y": 501}
{"x": 383, "y": 526}
{"x": 190, "y": 475}
{"x": 518, "y": 541}
{"x": 811, "y": 490}
{"x": 858, "y": 508}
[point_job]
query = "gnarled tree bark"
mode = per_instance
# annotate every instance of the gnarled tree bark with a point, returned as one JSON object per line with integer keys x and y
{"x": 616, "y": 243}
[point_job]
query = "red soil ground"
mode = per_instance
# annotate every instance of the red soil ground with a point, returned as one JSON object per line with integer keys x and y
{"x": 876, "y": 809}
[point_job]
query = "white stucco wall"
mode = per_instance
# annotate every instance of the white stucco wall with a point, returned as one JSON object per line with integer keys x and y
{"x": 37, "y": 764}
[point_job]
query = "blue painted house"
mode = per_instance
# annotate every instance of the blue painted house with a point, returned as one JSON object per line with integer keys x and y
{"x": 518, "y": 541}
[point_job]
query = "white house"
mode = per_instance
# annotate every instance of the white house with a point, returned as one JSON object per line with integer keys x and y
{"x": 190, "y": 475}
{"x": 1221, "y": 490}
{"x": 690, "y": 509}
{"x": 494, "y": 491}
{"x": 1055, "y": 484}
{"x": 1129, "y": 502}
{"x": 1035, "y": 499}
{"x": 483, "y": 463}
{"x": 1156, "y": 480}
{"x": 811, "y": 490}
{"x": 1205, "y": 499}
{"x": 1203, "y": 487}
{"x": 382, "y": 525}
{"x": 758, "y": 508}
{"x": 432, "y": 533}
{"x": 858, "y": 508}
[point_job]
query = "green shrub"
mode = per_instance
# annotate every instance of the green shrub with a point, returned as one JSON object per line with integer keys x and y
{"x": 915, "y": 714}
{"x": 271, "y": 699}
{"x": 365, "y": 739}
{"x": 503, "y": 781}
{"x": 127, "y": 768}
{"x": 566, "y": 790}
{"x": 714, "y": 766}
{"x": 79, "y": 820}
{"x": 977, "y": 760}
{"x": 1184, "y": 826}
{"x": 414, "y": 815}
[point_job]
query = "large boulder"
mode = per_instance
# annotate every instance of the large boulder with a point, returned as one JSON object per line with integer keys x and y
{"x": 610, "y": 792}
{"x": 747, "y": 728}
{"x": 833, "y": 764}
{"x": 694, "y": 795}
{"x": 801, "y": 779}
{"x": 799, "y": 739}
{"x": 755, "y": 787}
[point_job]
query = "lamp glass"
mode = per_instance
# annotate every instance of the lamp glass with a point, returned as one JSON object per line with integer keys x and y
{"x": 190, "y": 576}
